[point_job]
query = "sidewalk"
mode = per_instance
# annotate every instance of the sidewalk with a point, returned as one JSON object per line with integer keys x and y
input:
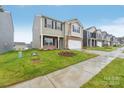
{"x": 73, "y": 76}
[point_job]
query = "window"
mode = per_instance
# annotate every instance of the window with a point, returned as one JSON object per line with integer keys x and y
{"x": 79, "y": 30}
{"x": 52, "y": 24}
{"x": 48, "y": 41}
{"x": 88, "y": 34}
{"x": 61, "y": 26}
{"x": 45, "y": 22}
{"x": 73, "y": 28}
{"x": 76, "y": 28}
{"x": 55, "y": 25}
{"x": 48, "y": 23}
{"x": 58, "y": 25}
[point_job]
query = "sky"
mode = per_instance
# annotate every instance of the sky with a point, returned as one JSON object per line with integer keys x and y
{"x": 106, "y": 18}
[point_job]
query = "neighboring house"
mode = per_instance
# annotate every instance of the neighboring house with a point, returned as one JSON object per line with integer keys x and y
{"x": 91, "y": 36}
{"x": 110, "y": 36}
{"x": 29, "y": 45}
{"x": 73, "y": 37}
{"x": 6, "y": 31}
{"x": 108, "y": 40}
{"x": 115, "y": 41}
{"x": 99, "y": 41}
{"x": 20, "y": 46}
{"x": 104, "y": 35}
{"x": 49, "y": 33}
{"x": 121, "y": 40}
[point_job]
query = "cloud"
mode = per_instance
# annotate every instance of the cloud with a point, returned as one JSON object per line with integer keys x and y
{"x": 116, "y": 27}
{"x": 23, "y": 34}
{"x": 119, "y": 21}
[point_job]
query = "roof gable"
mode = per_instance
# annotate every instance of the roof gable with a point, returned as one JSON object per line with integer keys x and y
{"x": 74, "y": 21}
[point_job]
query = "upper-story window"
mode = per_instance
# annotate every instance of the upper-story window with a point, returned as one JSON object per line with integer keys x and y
{"x": 98, "y": 35}
{"x": 61, "y": 26}
{"x": 48, "y": 23}
{"x": 75, "y": 28}
{"x": 55, "y": 25}
{"x": 45, "y": 22}
{"x": 52, "y": 24}
{"x": 88, "y": 34}
{"x": 104, "y": 36}
{"x": 92, "y": 35}
{"x": 58, "y": 25}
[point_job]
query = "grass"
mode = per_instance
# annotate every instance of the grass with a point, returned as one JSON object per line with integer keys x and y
{"x": 110, "y": 77}
{"x": 14, "y": 70}
{"x": 107, "y": 49}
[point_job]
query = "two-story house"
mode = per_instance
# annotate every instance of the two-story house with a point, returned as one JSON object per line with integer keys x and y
{"x": 49, "y": 33}
{"x": 121, "y": 40}
{"x": 73, "y": 34}
{"x": 6, "y": 31}
{"x": 99, "y": 41}
{"x": 108, "y": 40}
{"x": 114, "y": 41}
{"x": 90, "y": 36}
{"x": 104, "y": 35}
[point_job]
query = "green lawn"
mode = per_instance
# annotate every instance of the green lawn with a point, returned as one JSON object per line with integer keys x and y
{"x": 110, "y": 77}
{"x": 107, "y": 49}
{"x": 14, "y": 69}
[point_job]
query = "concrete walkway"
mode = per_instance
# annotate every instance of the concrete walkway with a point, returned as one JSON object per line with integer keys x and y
{"x": 73, "y": 76}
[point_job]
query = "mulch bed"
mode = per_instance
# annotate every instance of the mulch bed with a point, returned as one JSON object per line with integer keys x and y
{"x": 36, "y": 60}
{"x": 66, "y": 54}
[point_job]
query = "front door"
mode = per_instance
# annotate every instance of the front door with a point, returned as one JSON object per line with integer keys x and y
{"x": 61, "y": 43}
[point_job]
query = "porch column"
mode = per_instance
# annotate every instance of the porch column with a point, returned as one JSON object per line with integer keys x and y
{"x": 90, "y": 42}
{"x": 41, "y": 41}
{"x": 95, "y": 43}
{"x": 58, "y": 42}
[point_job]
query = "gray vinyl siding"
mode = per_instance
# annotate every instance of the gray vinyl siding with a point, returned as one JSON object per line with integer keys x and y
{"x": 52, "y": 31}
{"x": 6, "y": 32}
{"x": 36, "y": 32}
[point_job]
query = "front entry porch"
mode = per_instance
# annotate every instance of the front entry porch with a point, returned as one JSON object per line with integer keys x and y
{"x": 50, "y": 42}
{"x": 91, "y": 43}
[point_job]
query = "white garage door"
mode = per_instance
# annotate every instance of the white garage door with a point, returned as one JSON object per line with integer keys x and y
{"x": 99, "y": 43}
{"x": 74, "y": 44}
{"x": 108, "y": 43}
